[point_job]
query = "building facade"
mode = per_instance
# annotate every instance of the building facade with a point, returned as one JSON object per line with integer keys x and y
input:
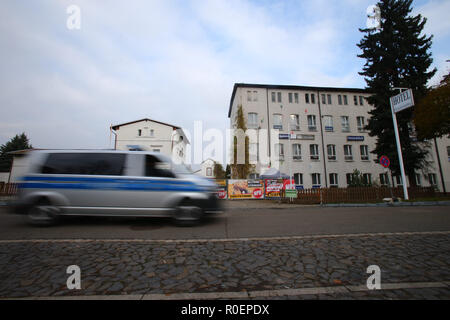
{"x": 207, "y": 168}
{"x": 151, "y": 135}
{"x": 321, "y": 136}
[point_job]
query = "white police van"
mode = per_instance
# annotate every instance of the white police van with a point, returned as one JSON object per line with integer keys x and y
{"x": 112, "y": 183}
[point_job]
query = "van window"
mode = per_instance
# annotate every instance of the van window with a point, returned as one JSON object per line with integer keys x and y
{"x": 84, "y": 163}
{"x": 156, "y": 168}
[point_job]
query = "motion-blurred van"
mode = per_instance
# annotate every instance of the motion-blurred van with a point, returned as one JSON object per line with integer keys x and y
{"x": 112, "y": 183}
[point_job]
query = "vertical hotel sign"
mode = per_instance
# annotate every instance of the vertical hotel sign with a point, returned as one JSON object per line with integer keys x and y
{"x": 400, "y": 102}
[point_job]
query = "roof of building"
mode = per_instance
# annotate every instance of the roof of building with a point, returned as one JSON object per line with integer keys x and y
{"x": 289, "y": 87}
{"x": 117, "y": 126}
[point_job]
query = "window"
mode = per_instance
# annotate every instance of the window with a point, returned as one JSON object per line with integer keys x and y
{"x": 312, "y": 123}
{"x": 84, "y": 163}
{"x": 333, "y": 180}
{"x": 324, "y": 100}
{"x": 273, "y": 97}
{"x": 355, "y": 100}
{"x": 296, "y": 97}
{"x": 277, "y": 121}
{"x": 418, "y": 179}
{"x": 297, "y": 151}
{"x": 315, "y": 177}
{"x": 398, "y": 180}
{"x": 279, "y": 150}
{"x": 329, "y": 98}
{"x": 367, "y": 179}
{"x": 279, "y": 96}
{"x": 331, "y": 151}
{"x": 290, "y": 97}
{"x": 313, "y": 98}
{"x": 152, "y": 133}
{"x": 361, "y": 100}
{"x": 252, "y": 120}
{"x": 345, "y": 100}
{"x": 255, "y": 95}
{"x": 384, "y": 179}
{"x": 360, "y": 124}
{"x": 364, "y": 152}
{"x": 208, "y": 172}
{"x": 155, "y": 168}
{"x": 349, "y": 177}
{"x": 339, "y": 99}
{"x": 345, "y": 124}
{"x": 448, "y": 153}
{"x": 139, "y": 132}
{"x": 253, "y": 176}
{"x": 314, "y": 151}
{"x": 432, "y": 179}
{"x": 307, "y": 97}
{"x": 249, "y": 96}
{"x": 298, "y": 179}
{"x": 253, "y": 152}
{"x": 348, "y": 156}
{"x": 328, "y": 120}
{"x": 294, "y": 122}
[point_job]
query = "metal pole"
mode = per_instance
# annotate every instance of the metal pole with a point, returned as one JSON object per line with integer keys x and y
{"x": 399, "y": 151}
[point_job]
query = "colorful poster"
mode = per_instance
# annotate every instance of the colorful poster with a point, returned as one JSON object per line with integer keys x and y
{"x": 221, "y": 188}
{"x": 273, "y": 188}
{"x": 245, "y": 189}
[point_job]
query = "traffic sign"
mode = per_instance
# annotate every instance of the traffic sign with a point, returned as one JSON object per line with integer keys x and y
{"x": 384, "y": 161}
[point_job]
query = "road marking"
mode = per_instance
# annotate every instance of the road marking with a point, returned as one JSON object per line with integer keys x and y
{"x": 306, "y": 237}
{"x": 246, "y": 294}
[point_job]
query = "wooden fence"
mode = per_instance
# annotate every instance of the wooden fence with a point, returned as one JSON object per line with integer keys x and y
{"x": 8, "y": 189}
{"x": 359, "y": 195}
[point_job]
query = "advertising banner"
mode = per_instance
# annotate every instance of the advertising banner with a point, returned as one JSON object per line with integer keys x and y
{"x": 245, "y": 189}
{"x": 221, "y": 188}
{"x": 274, "y": 187}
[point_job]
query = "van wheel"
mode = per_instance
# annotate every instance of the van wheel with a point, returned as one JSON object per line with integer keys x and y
{"x": 42, "y": 213}
{"x": 187, "y": 214}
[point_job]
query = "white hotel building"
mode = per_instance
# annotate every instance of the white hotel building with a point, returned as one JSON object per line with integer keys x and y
{"x": 328, "y": 141}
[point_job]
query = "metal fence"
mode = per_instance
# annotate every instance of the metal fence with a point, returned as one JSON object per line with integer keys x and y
{"x": 360, "y": 194}
{"x": 8, "y": 189}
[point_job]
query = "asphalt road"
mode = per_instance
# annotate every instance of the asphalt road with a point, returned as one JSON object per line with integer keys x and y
{"x": 241, "y": 223}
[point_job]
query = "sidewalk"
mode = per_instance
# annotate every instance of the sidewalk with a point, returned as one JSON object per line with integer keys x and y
{"x": 277, "y": 204}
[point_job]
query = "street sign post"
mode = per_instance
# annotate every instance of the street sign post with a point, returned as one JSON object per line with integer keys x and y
{"x": 385, "y": 162}
{"x": 402, "y": 101}
{"x": 398, "y": 103}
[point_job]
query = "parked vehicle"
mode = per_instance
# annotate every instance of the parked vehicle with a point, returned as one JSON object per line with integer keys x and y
{"x": 112, "y": 183}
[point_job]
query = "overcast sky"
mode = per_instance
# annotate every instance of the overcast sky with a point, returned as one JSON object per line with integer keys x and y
{"x": 172, "y": 61}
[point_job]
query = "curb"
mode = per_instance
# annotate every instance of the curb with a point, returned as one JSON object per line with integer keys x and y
{"x": 350, "y": 205}
{"x": 244, "y": 294}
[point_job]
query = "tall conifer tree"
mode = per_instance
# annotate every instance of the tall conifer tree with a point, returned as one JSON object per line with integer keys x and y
{"x": 397, "y": 55}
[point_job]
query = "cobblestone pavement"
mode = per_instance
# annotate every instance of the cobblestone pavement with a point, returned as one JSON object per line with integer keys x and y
{"x": 148, "y": 267}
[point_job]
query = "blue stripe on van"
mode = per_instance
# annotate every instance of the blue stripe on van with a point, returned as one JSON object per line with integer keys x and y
{"x": 91, "y": 183}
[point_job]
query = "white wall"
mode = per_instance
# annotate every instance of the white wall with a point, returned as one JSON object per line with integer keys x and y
{"x": 165, "y": 139}
{"x": 336, "y": 137}
{"x": 209, "y": 163}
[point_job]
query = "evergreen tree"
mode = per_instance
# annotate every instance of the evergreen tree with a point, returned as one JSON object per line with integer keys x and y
{"x": 396, "y": 56}
{"x": 219, "y": 173}
{"x": 19, "y": 142}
